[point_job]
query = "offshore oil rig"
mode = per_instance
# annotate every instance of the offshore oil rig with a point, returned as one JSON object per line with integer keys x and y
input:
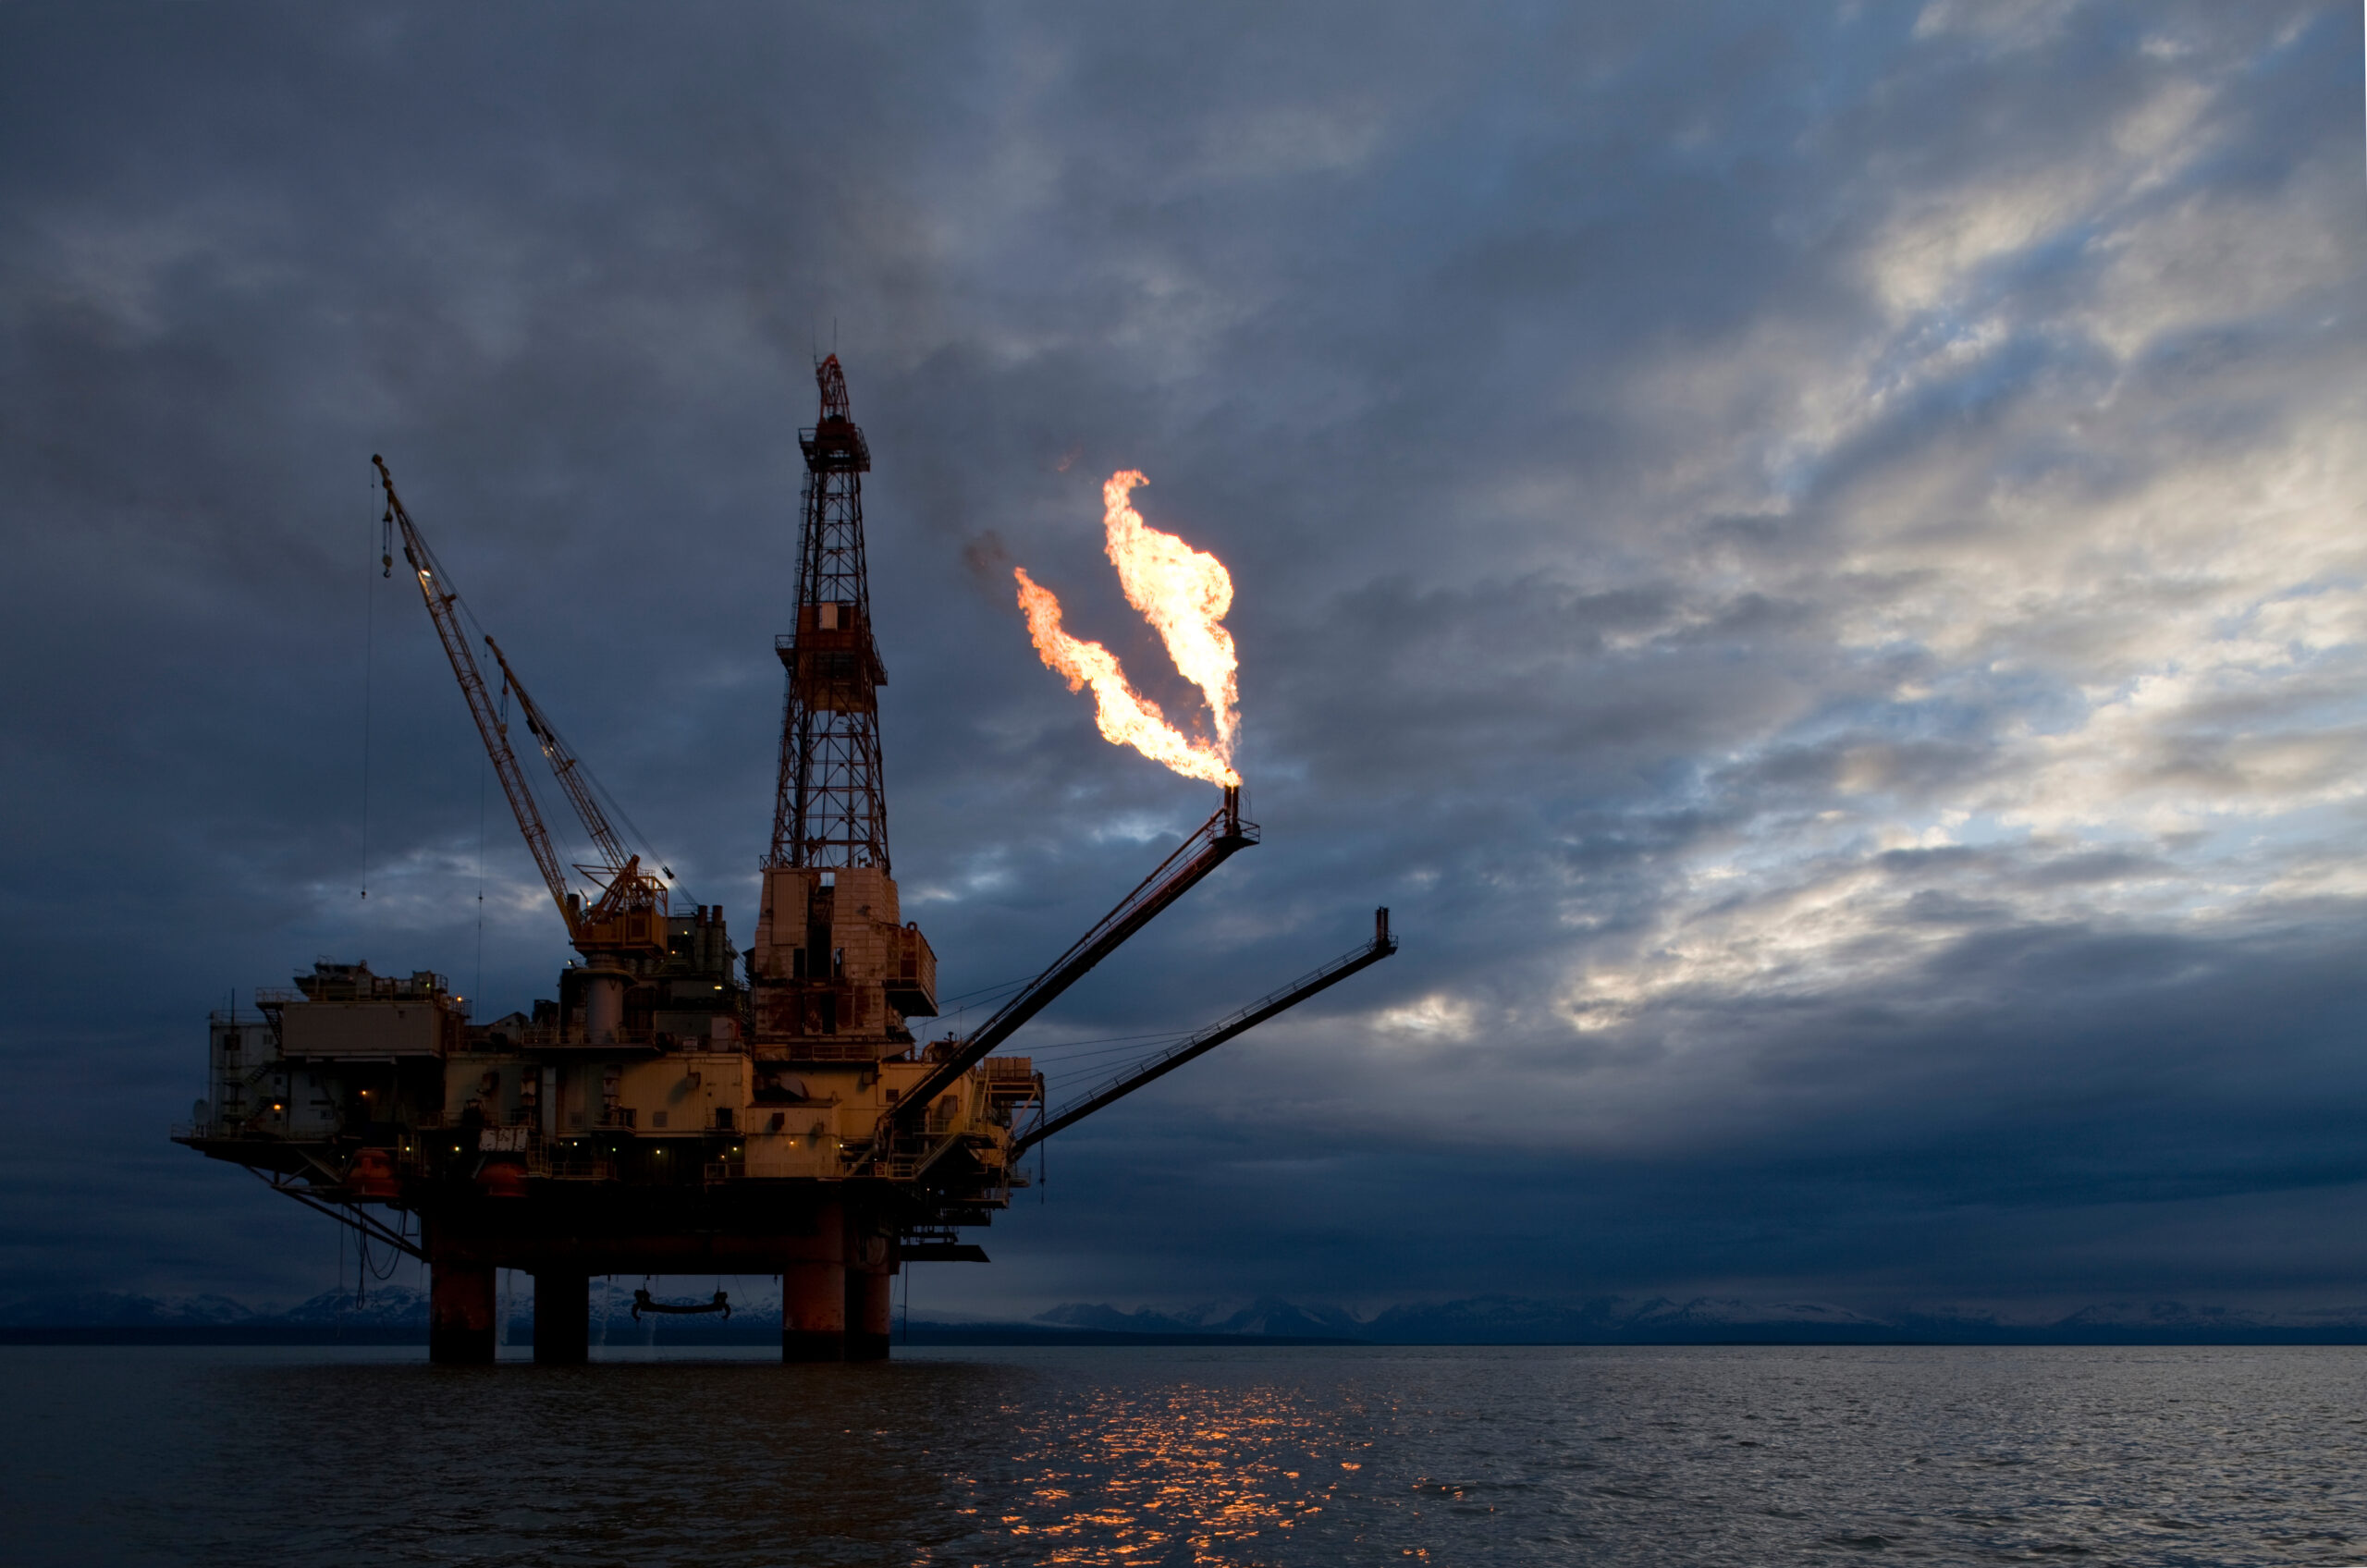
{"x": 684, "y": 1106}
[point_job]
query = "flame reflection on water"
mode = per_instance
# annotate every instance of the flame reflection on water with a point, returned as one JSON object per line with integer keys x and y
{"x": 1191, "y": 1477}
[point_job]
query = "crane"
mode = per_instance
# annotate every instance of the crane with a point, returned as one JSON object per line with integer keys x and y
{"x": 630, "y": 915}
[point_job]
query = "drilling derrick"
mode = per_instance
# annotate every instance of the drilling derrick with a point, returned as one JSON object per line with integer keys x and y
{"x": 682, "y": 1107}
{"x": 834, "y": 973}
{"x": 830, "y": 809}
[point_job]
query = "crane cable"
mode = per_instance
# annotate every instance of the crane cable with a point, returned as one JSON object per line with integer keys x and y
{"x": 369, "y": 669}
{"x": 467, "y": 612}
{"x": 485, "y": 766}
{"x": 583, "y": 769}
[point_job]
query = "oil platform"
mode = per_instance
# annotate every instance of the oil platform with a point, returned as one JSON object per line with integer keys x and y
{"x": 684, "y": 1105}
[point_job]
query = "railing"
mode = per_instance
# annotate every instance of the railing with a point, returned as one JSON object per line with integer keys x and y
{"x": 570, "y": 1165}
{"x": 818, "y": 1049}
{"x": 1010, "y": 1081}
{"x": 358, "y": 988}
{"x": 258, "y": 1124}
{"x": 551, "y": 1038}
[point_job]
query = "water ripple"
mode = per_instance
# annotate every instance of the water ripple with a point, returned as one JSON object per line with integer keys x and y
{"x": 1151, "y": 1456}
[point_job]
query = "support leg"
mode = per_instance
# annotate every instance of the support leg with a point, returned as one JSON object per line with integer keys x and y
{"x": 814, "y": 1312}
{"x": 459, "y": 1314}
{"x": 814, "y": 1294}
{"x": 562, "y": 1318}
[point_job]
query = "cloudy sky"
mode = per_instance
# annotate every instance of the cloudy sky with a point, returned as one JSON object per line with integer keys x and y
{"x": 1817, "y": 562}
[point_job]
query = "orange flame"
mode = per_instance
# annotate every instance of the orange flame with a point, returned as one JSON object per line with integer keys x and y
{"x": 1183, "y": 592}
{"x": 1124, "y": 716}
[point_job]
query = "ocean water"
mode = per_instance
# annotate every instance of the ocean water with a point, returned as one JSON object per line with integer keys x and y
{"x": 1698, "y": 1456}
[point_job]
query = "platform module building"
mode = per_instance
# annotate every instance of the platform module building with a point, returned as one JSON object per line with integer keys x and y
{"x": 683, "y": 1105}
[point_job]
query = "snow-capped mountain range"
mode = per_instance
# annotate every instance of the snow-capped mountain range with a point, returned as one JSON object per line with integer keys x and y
{"x": 1479, "y": 1320}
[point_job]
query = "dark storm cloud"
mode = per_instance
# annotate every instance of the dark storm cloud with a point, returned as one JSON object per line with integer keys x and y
{"x": 1812, "y": 561}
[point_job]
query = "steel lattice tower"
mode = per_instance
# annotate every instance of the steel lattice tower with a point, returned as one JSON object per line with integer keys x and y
{"x": 832, "y": 808}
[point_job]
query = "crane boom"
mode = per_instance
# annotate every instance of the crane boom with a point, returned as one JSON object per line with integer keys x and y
{"x": 433, "y": 587}
{"x": 567, "y": 768}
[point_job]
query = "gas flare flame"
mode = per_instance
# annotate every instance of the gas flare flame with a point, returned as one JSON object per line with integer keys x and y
{"x": 1184, "y": 593}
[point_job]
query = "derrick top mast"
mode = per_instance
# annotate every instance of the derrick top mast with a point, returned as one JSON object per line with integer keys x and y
{"x": 830, "y": 808}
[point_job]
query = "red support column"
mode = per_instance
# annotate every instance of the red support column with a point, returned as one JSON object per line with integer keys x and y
{"x": 813, "y": 1294}
{"x": 459, "y": 1313}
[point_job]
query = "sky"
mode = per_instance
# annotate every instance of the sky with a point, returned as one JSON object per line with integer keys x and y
{"x": 1814, "y": 558}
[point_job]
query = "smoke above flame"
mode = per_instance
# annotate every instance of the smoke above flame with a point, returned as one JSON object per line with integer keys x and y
{"x": 1184, "y": 593}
